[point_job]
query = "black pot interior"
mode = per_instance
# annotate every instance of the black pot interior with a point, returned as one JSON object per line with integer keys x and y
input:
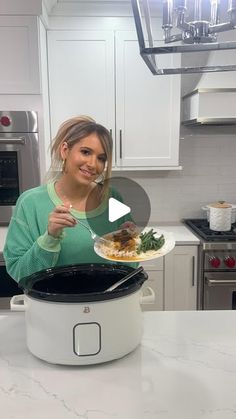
{"x": 80, "y": 283}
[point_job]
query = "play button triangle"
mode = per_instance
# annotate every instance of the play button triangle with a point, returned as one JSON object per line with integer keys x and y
{"x": 117, "y": 209}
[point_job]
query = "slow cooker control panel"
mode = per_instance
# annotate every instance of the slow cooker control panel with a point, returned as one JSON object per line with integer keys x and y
{"x": 224, "y": 260}
{"x": 87, "y": 339}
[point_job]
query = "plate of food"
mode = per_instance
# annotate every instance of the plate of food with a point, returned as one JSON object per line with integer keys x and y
{"x": 128, "y": 245}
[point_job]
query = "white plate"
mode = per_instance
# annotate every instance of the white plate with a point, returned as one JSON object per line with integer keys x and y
{"x": 151, "y": 254}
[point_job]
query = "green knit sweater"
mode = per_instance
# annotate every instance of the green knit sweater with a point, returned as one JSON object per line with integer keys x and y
{"x": 29, "y": 248}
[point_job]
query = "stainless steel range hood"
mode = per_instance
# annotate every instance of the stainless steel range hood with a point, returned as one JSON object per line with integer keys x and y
{"x": 210, "y": 107}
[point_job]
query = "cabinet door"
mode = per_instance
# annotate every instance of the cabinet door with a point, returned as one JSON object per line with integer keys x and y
{"x": 148, "y": 108}
{"x": 19, "y": 69}
{"x": 155, "y": 280}
{"x": 81, "y": 76}
{"x": 180, "y": 278}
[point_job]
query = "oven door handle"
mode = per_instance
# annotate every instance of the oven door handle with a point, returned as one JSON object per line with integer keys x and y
{"x": 12, "y": 140}
{"x": 215, "y": 282}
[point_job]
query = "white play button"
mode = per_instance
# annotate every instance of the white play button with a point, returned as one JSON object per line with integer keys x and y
{"x": 116, "y": 209}
{"x": 131, "y": 201}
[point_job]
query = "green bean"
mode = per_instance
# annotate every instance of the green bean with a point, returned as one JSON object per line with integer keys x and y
{"x": 150, "y": 242}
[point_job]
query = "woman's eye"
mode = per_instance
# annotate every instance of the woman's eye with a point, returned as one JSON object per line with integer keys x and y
{"x": 85, "y": 152}
{"x": 103, "y": 159}
{"x": 89, "y": 152}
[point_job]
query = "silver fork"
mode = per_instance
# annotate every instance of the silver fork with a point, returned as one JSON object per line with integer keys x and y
{"x": 93, "y": 234}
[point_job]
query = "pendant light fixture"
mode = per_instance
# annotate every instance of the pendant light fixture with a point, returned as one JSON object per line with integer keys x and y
{"x": 187, "y": 26}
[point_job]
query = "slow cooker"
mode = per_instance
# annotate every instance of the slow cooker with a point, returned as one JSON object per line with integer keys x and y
{"x": 72, "y": 320}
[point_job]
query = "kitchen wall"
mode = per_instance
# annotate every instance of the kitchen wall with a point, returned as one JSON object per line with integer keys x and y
{"x": 208, "y": 158}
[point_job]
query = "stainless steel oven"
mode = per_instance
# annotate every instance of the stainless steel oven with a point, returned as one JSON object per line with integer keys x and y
{"x": 216, "y": 266}
{"x": 19, "y": 158}
{"x": 220, "y": 291}
{"x": 218, "y": 283}
{"x": 8, "y": 287}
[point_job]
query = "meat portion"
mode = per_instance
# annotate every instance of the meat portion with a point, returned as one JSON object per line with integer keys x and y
{"x": 125, "y": 240}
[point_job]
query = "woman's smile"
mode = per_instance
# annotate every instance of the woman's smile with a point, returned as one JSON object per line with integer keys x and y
{"x": 87, "y": 173}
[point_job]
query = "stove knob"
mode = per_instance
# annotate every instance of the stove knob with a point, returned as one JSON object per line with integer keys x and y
{"x": 5, "y": 121}
{"x": 214, "y": 261}
{"x": 229, "y": 261}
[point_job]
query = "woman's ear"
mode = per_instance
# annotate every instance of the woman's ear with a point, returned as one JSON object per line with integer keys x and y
{"x": 64, "y": 150}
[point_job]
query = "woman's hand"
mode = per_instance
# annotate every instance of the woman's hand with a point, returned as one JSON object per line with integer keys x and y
{"x": 128, "y": 225}
{"x": 59, "y": 218}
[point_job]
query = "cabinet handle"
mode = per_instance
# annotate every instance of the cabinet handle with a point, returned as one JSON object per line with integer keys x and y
{"x": 193, "y": 271}
{"x": 120, "y": 143}
{"x": 113, "y": 148}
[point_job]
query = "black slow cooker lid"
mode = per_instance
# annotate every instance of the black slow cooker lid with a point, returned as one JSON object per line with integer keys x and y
{"x": 81, "y": 283}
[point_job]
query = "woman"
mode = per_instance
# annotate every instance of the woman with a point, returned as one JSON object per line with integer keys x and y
{"x": 45, "y": 230}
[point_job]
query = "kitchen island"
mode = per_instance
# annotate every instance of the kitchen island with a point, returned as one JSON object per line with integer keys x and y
{"x": 184, "y": 368}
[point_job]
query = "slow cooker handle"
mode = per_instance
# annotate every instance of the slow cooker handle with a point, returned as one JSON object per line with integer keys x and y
{"x": 17, "y": 303}
{"x": 149, "y": 298}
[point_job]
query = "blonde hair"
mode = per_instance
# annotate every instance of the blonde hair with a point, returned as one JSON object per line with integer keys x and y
{"x": 71, "y": 132}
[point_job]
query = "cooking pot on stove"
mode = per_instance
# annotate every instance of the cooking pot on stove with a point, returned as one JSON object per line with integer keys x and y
{"x": 220, "y": 216}
{"x": 71, "y": 319}
{"x": 233, "y": 212}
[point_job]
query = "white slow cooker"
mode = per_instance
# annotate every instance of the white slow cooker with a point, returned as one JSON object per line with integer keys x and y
{"x": 70, "y": 319}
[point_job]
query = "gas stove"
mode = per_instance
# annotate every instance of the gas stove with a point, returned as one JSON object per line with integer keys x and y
{"x": 201, "y": 227}
{"x": 216, "y": 266}
{"x": 217, "y": 248}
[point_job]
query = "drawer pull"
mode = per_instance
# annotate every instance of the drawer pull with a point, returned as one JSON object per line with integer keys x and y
{"x": 193, "y": 271}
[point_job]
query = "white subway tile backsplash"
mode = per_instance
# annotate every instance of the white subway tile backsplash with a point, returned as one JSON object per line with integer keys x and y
{"x": 228, "y": 170}
{"x": 228, "y": 154}
{"x": 201, "y": 170}
{"x": 204, "y": 157}
{"x": 228, "y": 189}
{"x": 208, "y": 175}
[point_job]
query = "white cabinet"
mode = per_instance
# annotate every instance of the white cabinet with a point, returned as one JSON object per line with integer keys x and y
{"x": 155, "y": 280}
{"x": 173, "y": 280}
{"x": 147, "y": 109}
{"x": 180, "y": 278}
{"x": 19, "y": 69}
{"x": 101, "y": 74}
{"x": 81, "y": 76}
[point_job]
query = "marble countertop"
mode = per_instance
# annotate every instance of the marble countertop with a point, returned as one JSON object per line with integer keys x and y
{"x": 185, "y": 368}
{"x": 182, "y": 235}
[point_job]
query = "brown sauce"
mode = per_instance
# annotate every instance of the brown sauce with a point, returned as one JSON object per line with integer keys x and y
{"x": 125, "y": 258}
